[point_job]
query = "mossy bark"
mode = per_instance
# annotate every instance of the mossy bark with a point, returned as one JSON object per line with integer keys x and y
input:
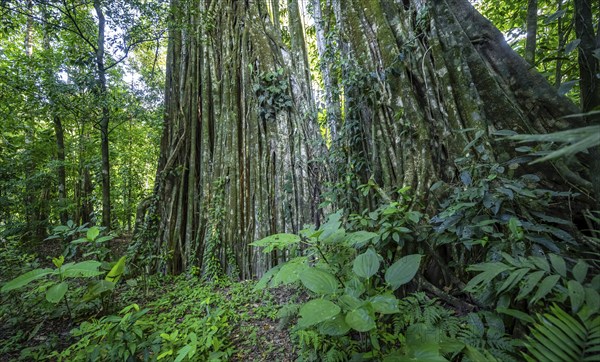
{"x": 410, "y": 74}
{"x": 434, "y": 68}
{"x": 227, "y": 175}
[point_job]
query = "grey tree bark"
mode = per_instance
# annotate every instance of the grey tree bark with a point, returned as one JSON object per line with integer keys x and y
{"x": 241, "y": 137}
{"x": 236, "y": 141}
{"x": 105, "y": 118}
{"x": 530, "y": 45}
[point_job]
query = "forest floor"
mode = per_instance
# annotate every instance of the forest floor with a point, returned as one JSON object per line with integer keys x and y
{"x": 247, "y": 324}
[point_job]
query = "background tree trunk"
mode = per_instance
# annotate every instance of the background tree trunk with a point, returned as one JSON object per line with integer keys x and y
{"x": 532, "y": 8}
{"x": 589, "y": 84}
{"x": 61, "y": 173}
{"x": 105, "y": 118}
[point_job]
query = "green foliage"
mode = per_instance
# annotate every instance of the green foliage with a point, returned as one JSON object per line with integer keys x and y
{"x": 536, "y": 279}
{"x": 572, "y": 141}
{"x": 273, "y": 94}
{"x": 91, "y": 243}
{"x": 558, "y": 336}
{"x": 56, "y": 289}
{"x": 346, "y": 282}
{"x": 485, "y": 332}
{"x": 119, "y": 337}
{"x": 491, "y": 212}
{"x": 556, "y": 55}
{"x": 191, "y": 322}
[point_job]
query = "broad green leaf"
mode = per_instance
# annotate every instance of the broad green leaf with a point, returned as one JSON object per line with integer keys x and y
{"x": 88, "y": 268}
{"x": 414, "y": 216}
{"x": 559, "y": 265}
{"x": 319, "y": 281}
{"x": 60, "y": 228}
{"x": 92, "y": 233}
{"x": 513, "y": 279}
{"x": 576, "y": 294}
{"x": 359, "y": 238}
{"x": 385, "y": 304}
{"x": 545, "y": 287}
{"x": 331, "y": 227}
{"x": 55, "y": 293}
{"x": 266, "y": 278}
{"x": 541, "y": 263}
{"x": 572, "y": 46}
{"x": 25, "y": 279}
{"x": 183, "y": 352}
{"x": 335, "y": 327}
{"x": 80, "y": 241}
{"x": 580, "y": 271}
{"x": 514, "y": 226}
{"x": 97, "y": 288}
{"x": 354, "y": 287}
{"x": 366, "y": 264}
{"x": 317, "y": 311}
{"x": 277, "y": 241}
{"x": 489, "y": 272}
{"x": 517, "y": 314}
{"x": 531, "y": 281}
{"x": 360, "y": 320}
{"x": 117, "y": 271}
{"x": 596, "y": 282}
{"x": 289, "y": 273}
{"x": 103, "y": 239}
{"x": 349, "y": 302}
{"x": 402, "y": 271}
{"x": 592, "y": 300}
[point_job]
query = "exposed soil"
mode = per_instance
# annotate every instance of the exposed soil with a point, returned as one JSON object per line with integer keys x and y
{"x": 265, "y": 339}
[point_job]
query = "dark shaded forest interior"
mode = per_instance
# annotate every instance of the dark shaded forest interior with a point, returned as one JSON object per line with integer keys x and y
{"x": 300, "y": 180}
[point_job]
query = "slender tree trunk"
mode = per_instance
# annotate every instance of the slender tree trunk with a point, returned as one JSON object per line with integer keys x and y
{"x": 36, "y": 199}
{"x": 84, "y": 188}
{"x": 29, "y": 29}
{"x": 325, "y": 49}
{"x": 61, "y": 173}
{"x": 30, "y": 197}
{"x": 58, "y": 127}
{"x": 105, "y": 118}
{"x": 561, "y": 44}
{"x": 589, "y": 84}
{"x": 530, "y": 44}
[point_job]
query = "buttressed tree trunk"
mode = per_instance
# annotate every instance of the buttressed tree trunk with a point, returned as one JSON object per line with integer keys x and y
{"x": 233, "y": 164}
{"x": 422, "y": 70}
{"x": 240, "y": 128}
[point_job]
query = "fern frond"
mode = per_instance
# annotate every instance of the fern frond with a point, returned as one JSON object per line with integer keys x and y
{"x": 559, "y": 336}
{"x": 335, "y": 355}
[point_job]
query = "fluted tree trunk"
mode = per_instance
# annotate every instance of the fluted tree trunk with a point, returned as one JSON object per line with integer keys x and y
{"x": 232, "y": 165}
{"x": 423, "y": 70}
{"x": 241, "y": 135}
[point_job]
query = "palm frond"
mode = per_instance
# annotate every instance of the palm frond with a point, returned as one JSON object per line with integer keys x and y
{"x": 558, "y": 336}
{"x": 574, "y": 141}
